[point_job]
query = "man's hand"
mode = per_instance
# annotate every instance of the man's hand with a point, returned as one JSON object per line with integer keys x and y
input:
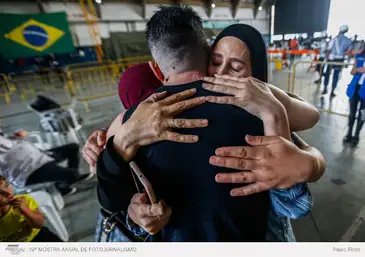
{"x": 152, "y": 218}
{"x": 93, "y": 146}
{"x": 270, "y": 162}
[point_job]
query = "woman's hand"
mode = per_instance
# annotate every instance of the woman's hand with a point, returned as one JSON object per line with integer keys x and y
{"x": 255, "y": 97}
{"x": 250, "y": 94}
{"x": 153, "y": 121}
{"x": 262, "y": 166}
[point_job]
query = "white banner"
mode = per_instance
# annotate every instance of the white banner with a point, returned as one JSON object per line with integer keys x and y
{"x": 182, "y": 249}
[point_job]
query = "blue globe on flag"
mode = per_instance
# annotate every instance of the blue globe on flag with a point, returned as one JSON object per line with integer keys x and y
{"x": 35, "y": 35}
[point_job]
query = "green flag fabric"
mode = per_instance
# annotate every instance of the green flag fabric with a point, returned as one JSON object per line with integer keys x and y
{"x": 32, "y": 35}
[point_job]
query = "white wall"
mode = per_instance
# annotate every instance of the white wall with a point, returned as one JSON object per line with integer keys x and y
{"x": 117, "y": 11}
{"x": 118, "y": 16}
{"x": 349, "y": 12}
{"x": 200, "y": 11}
{"x": 221, "y": 13}
{"x": 84, "y": 36}
{"x": 73, "y": 10}
{"x": 19, "y": 7}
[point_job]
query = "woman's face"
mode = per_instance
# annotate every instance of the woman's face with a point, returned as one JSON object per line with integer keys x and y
{"x": 230, "y": 56}
{"x": 6, "y": 193}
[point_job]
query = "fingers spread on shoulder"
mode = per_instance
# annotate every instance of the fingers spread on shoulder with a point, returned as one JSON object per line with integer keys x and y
{"x": 234, "y": 163}
{"x": 180, "y": 138}
{"x": 178, "y": 107}
{"x": 222, "y": 99}
{"x": 263, "y": 140}
{"x": 246, "y": 152}
{"x": 236, "y": 177}
{"x": 155, "y": 97}
{"x": 249, "y": 189}
{"x": 221, "y": 80}
{"x": 186, "y": 123}
{"x": 220, "y": 88}
{"x": 178, "y": 97}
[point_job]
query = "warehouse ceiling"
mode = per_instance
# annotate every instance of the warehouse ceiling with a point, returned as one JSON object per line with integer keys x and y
{"x": 233, "y": 4}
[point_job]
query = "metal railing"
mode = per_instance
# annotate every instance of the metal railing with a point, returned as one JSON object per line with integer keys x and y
{"x": 89, "y": 81}
{"x": 306, "y": 88}
{"x": 5, "y": 89}
{"x": 84, "y": 82}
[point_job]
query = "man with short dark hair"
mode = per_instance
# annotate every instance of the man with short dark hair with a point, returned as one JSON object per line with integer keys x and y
{"x": 177, "y": 41}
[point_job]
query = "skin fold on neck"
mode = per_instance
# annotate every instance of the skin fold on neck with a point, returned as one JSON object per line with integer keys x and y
{"x": 183, "y": 78}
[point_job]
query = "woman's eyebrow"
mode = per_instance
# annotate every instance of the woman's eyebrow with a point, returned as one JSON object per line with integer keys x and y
{"x": 218, "y": 54}
{"x": 237, "y": 60}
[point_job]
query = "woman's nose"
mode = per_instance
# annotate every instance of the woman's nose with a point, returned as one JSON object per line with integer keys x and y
{"x": 221, "y": 70}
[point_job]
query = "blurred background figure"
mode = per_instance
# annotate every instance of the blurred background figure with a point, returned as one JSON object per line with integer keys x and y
{"x": 20, "y": 219}
{"x": 323, "y": 45}
{"x": 356, "y": 93}
{"x": 337, "y": 50}
{"x": 293, "y": 45}
{"x": 22, "y": 163}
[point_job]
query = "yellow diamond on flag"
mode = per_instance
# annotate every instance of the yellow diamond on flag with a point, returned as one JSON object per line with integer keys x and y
{"x": 35, "y": 35}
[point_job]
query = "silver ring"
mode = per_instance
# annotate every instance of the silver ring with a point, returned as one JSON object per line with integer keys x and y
{"x": 173, "y": 124}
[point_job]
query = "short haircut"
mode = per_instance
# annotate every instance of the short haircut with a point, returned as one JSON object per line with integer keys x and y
{"x": 176, "y": 39}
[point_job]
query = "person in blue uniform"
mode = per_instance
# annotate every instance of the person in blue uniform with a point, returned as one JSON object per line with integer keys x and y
{"x": 356, "y": 93}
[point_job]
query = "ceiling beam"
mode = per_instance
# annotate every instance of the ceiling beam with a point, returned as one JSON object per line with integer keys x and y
{"x": 40, "y": 6}
{"x": 143, "y": 3}
{"x": 258, "y": 3}
{"x": 234, "y": 7}
{"x": 208, "y": 7}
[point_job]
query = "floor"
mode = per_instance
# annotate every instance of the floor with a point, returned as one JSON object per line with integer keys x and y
{"x": 339, "y": 203}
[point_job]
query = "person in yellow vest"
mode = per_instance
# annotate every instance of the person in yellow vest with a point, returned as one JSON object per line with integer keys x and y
{"x": 20, "y": 219}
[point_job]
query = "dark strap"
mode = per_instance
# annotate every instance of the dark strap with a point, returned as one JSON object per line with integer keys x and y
{"x": 115, "y": 220}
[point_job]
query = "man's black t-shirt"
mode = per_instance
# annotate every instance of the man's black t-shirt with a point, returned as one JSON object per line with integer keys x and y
{"x": 202, "y": 210}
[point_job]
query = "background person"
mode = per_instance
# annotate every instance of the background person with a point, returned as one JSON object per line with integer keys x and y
{"x": 338, "y": 47}
{"x": 356, "y": 93}
{"x": 22, "y": 163}
{"x": 323, "y": 45}
{"x": 20, "y": 219}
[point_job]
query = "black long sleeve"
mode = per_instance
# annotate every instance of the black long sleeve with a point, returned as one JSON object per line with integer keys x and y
{"x": 115, "y": 182}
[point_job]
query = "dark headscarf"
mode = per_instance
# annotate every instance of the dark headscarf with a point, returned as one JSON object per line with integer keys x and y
{"x": 136, "y": 84}
{"x": 254, "y": 41}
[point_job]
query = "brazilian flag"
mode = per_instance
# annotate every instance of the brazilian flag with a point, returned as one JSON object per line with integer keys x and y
{"x": 32, "y": 35}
